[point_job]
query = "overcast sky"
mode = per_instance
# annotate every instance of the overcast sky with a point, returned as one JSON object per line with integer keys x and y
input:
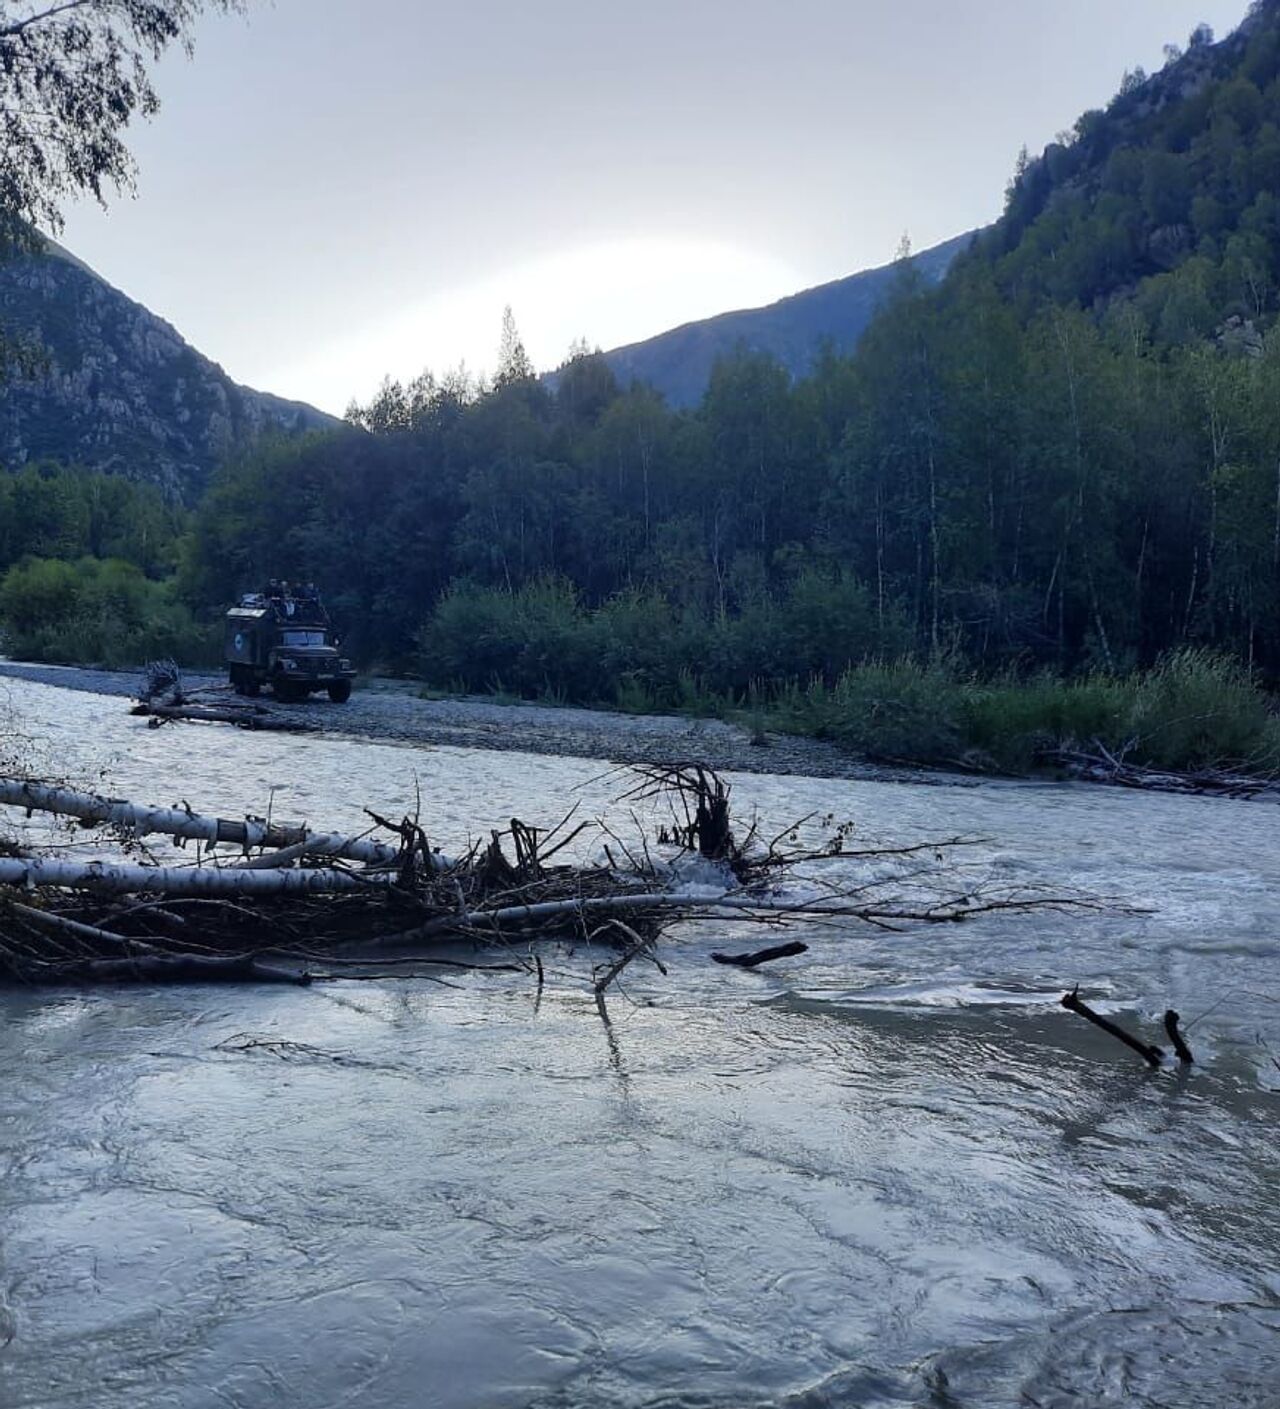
{"x": 333, "y": 192}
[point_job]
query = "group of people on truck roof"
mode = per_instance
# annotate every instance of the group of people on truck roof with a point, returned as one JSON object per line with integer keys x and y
{"x": 279, "y": 589}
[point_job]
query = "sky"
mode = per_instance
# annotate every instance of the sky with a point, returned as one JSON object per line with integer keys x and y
{"x": 333, "y": 193}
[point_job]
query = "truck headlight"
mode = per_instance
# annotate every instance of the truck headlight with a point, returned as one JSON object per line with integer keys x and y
{"x": 289, "y": 664}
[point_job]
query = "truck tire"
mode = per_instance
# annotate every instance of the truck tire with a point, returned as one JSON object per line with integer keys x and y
{"x": 249, "y": 687}
{"x": 289, "y": 694}
{"x": 340, "y": 691}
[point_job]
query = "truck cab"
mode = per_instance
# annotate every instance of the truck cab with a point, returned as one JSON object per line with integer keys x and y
{"x": 282, "y": 637}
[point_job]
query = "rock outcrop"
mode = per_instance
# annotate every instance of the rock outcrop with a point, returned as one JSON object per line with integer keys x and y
{"x": 118, "y": 389}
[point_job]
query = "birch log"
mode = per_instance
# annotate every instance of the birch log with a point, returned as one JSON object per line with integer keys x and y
{"x": 112, "y": 877}
{"x": 179, "y": 822}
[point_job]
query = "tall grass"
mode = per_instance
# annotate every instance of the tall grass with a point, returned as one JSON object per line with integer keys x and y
{"x": 774, "y": 667}
{"x": 1196, "y": 709}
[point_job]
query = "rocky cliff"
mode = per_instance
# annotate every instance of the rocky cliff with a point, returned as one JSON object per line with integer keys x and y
{"x": 118, "y": 389}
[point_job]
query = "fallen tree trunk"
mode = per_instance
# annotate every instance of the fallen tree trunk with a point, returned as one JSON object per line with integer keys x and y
{"x": 243, "y": 717}
{"x": 183, "y": 824}
{"x": 1099, "y": 765}
{"x": 158, "y": 968}
{"x": 124, "y": 878}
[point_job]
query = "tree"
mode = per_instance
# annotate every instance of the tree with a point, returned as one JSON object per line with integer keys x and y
{"x": 73, "y": 75}
{"x": 514, "y": 365}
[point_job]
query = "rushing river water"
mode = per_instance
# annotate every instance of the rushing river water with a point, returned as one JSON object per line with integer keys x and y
{"x": 890, "y": 1172}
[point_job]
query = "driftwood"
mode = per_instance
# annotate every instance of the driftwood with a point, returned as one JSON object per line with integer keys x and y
{"x": 242, "y": 716}
{"x": 272, "y": 902}
{"x": 1098, "y": 764}
{"x": 161, "y": 968}
{"x": 704, "y": 798}
{"x": 1153, "y": 1056}
{"x": 182, "y": 824}
{"x": 636, "y": 945}
{"x": 1171, "y": 1021}
{"x": 164, "y": 698}
{"x": 123, "y": 878}
{"x": 762, "y": 956}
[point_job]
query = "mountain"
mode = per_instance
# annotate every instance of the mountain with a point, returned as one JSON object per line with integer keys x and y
{"x": 119, "y": 390}
{"x": 1167, "y": 202}
{"x": 679, "y": 362}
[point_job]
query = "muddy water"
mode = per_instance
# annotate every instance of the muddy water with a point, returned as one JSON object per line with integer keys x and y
{"x": 891, "y": 1172}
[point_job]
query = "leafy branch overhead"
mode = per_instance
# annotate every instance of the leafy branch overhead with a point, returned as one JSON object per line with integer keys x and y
{"x": 73, "y": 76}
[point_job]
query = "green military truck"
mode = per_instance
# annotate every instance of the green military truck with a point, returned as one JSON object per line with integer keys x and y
{"x": 283, "y": 637}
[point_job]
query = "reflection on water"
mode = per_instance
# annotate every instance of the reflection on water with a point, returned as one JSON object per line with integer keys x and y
{"x": 890, "y": 1172}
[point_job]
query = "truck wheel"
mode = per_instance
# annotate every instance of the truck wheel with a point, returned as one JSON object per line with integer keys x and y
{"x": 340, "y": 691}
{"x": 288, "y": 694}
{"x": 248, "y": 687}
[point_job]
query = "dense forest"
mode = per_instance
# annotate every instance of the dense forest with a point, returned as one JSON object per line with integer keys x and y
{"x": 1065, "y": 459}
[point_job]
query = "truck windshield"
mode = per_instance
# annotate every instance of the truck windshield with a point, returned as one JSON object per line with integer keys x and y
{"x": 294, "y": 637}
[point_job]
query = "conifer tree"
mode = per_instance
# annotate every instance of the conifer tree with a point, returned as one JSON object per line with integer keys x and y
{"x": 514, "y": 365}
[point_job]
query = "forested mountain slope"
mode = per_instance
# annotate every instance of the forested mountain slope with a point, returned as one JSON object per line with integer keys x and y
{"x": 678, "y": 363}
{"x": 1181, "y": 169}
{"x": 119, "y": 389}
{"x": 1064, "y": 456}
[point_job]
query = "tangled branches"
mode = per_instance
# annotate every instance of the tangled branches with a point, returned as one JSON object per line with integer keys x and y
{"x": 270, "y": 902}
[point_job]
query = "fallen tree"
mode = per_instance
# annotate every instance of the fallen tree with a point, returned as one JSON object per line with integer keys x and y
{"x": 164, "y": 698}
{"x": 183, "y": 824}
{"x": 290, "y": 903}
{"x": 1098, "y": 764}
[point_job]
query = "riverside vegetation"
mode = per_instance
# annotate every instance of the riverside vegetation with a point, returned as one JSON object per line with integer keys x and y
{"x": 1038, "y": 503}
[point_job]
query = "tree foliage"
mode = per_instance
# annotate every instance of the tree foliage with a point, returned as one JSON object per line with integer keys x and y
{"x": 514, "y": 366}
{"x": 73, "y": 76}
{"x": 96, "y": 610}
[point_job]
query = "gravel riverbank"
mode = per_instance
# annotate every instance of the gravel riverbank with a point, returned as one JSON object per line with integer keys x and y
{"x": 392, "y": 711}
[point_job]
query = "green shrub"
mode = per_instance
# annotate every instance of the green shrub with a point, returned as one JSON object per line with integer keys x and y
{"x": 535, "y": 642}
{"x": 97, "y": 611}
{"x": 1196, "y": 709}
{"x": 1200, "y": 709}
{"x": 1017, "y": 723}
{"x": 895, "y": 709}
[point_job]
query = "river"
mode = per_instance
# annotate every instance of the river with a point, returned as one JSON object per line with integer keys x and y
{"x": 890, "y": 1172}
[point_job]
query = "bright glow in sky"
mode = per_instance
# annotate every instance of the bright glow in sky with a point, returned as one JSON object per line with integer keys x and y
{"x": 332, "y": 192}
{"x": 623, "y": 290}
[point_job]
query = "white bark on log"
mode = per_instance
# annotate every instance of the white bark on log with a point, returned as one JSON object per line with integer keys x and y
{"x": 118, "y": 878}
{"x": 178, "y": 822}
